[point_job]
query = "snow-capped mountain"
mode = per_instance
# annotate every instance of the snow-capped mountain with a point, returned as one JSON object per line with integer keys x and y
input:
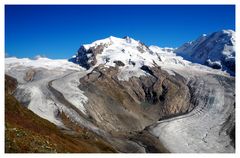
{"x": 120, "y": 81}
{"x": 108, "y": 51}
{"x": 216, "y": 50}
{"x": 126, "y": 53}
{"x": 130, "y": 56}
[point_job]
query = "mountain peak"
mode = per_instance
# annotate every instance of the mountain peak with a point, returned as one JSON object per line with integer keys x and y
{"x": 216, "y": 50}
{"x": 107, "y": 51}
{"x": 111, "y": 40}
{"x": 229, "y": 31}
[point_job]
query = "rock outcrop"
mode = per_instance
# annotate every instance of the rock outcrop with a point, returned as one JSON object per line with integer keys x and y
{"x": 116, "y": 104}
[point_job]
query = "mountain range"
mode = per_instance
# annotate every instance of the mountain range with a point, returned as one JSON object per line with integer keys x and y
{"x": 132, "y": 97}
{"x": 216, "y": 50}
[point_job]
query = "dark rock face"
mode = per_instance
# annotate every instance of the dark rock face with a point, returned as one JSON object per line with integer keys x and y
{"x": 142, "y": 100}
{"x": 10, "y": 84}
{"x": 214, "y": 65}
{"x": 232, "y": 135}
{"x": 119, "y": 63}
{"x": 230, "y": 63}
{"x": 147, "y": 69}
{"x": 87, "y": 58}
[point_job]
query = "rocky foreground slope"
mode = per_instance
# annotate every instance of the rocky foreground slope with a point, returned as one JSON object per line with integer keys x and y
{"x": 134, "y": 97}
{"x": 27, "y": 132}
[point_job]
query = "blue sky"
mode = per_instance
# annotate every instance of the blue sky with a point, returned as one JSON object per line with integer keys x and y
{"x": 58, "y": 31}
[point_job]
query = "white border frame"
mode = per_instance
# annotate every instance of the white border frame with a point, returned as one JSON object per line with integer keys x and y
{"x": 166, "y": 2}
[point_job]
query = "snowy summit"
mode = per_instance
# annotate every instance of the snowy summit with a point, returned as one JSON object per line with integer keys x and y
{"x": 216, "y": 50}
{"x": 129, "y": 55}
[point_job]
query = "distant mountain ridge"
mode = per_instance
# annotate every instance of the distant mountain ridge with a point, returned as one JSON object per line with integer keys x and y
{"x": 216, "y": 50}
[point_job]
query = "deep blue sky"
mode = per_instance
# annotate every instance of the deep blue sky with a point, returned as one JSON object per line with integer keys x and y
{"x": 58, "y": 31}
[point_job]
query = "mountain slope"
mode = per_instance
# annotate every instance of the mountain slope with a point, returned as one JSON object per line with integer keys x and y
{"x": 216, "y": 50}
{"x": 27, "y": 132}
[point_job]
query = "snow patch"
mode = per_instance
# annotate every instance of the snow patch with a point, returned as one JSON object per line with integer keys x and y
{"x": 70, "y": 90}
{"x": 46, "y": 63}
{"x": 38, "y": 103}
